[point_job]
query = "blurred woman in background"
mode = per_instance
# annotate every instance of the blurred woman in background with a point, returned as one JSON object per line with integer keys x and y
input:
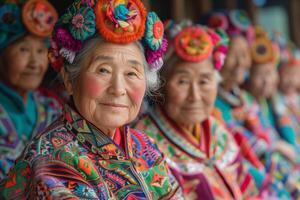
{"x": 201, "y": 153}
{"x": 24, "y": 111}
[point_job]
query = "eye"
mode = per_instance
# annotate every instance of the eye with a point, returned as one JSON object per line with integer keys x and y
{"x": 183, "y": 82}
{"x": 41, "y": 50}
{"x": 24, "y": 49}
{"x": 132, "y": 74}
{"x": 104, "y": 71}
{"x": 204, "y": 81}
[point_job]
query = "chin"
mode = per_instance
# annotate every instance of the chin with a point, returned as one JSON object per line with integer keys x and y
{"x": 112, "y": 120}
{"x": 193, "y": 120}
{"x": 31, "y": 86}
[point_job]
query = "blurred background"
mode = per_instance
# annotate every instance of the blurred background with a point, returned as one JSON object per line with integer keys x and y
{"x": 273, "y": 15}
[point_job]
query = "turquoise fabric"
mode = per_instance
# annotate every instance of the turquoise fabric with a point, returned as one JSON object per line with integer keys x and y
{"x": 225, "y": 108}
{"x": 23, "y": 116}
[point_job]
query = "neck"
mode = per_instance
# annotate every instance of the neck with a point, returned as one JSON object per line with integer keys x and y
{"x": 22, "y": 93}
{"x": 110, "y": 132}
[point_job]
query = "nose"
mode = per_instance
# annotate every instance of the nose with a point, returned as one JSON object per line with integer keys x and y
{"x": 117, "y": 86}
{"x": 33, "y": 60}
{"x": 194, "y": 92}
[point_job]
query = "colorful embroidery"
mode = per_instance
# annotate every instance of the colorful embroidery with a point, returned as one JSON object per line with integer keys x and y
{"x": 72, "y": 158}
{"x": 195, "y": 168}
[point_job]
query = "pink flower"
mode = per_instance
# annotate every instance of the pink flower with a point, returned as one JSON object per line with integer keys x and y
{"x": 65, "y": 40}
{"x": 78, "y": 20}
{"x": 152, "y": 56}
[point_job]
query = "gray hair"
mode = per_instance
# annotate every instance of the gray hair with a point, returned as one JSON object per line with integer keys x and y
{"x": 74, "y": 69}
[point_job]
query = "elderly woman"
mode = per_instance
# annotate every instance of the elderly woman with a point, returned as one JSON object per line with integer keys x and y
{"x": 200, "y": 152}
{"x": 286, "y": 103}
{"x": 280, "y": 154}
{"x": 24, "y": 110}
{"x": 231, "y": 101}
{"x": 90, "y": 152}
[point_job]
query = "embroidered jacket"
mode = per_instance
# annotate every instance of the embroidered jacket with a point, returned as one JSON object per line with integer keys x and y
{"x": 73, "y": 159}
{"x": 208, "y": 170}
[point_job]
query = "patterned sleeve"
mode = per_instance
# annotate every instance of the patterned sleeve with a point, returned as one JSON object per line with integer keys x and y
{"x": 44, "y": 172}
{"x": 47, "y": 179}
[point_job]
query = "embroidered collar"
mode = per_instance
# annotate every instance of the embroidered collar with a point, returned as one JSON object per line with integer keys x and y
{"x": 172, "y": 133}
{"x": 94, "y": 139}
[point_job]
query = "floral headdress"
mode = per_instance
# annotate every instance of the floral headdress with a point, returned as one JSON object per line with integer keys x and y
{"x": 235, "y": 22}
{"x": 263, "y": 50}
{"x": 17, "y": 17}
{"x": 195, "y": 43}
{"x": 289, "y": 52}
{"x": 117, "y": 21}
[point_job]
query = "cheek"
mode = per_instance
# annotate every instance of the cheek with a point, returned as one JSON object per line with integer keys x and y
{"x": 44, "y": 62}
{"x": 137, "y": 93}
{"x": 92, "y": 86}
{"x": 175, "y": 95}
{"x": 258, "y": 84}
{"x": 15, "y": 68}
{"x": 210, "y": 96}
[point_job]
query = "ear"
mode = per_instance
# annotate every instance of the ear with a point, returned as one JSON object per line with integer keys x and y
{"x": 67, "y": 82}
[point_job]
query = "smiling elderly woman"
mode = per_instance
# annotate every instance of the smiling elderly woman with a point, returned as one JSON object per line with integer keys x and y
{"x": 90, "y": 152}
{"x": 200, "y": 152}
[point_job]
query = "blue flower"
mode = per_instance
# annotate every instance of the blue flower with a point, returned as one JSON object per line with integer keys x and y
{"x": 81, "y": 22}
{"x": 10, "y": 18}
{"x": 154, "y": 32}
{"x": 120, "y": 12}
{"x": 240, "y": 19}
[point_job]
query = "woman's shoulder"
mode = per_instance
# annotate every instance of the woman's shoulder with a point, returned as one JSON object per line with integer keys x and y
{"x": 55, "y": 136}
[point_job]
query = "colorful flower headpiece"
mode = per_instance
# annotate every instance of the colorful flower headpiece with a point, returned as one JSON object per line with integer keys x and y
{"x": 289, "y": 53}
{"x": 263, "y": 50}
{"x": 37, "y": 17}
{"x": 235, "y": 22}
{"x": 197, "y": 43}
{"x": 117, "y": 21}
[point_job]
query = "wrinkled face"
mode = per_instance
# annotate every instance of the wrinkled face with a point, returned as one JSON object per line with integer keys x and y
{"x": 237, "y": 62}
{"x": 190, "y": 92}
{"x": 24, "y": 63}
{"x": 263, "y": 80}
{"x": 289, "y": 80}
{"x": 111, "y": 85}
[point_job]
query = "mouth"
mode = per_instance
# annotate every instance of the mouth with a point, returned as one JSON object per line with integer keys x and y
{"x": 114, "y": 105}
{"x": 191, "y": 108}
{"x": 31, "y": 74}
